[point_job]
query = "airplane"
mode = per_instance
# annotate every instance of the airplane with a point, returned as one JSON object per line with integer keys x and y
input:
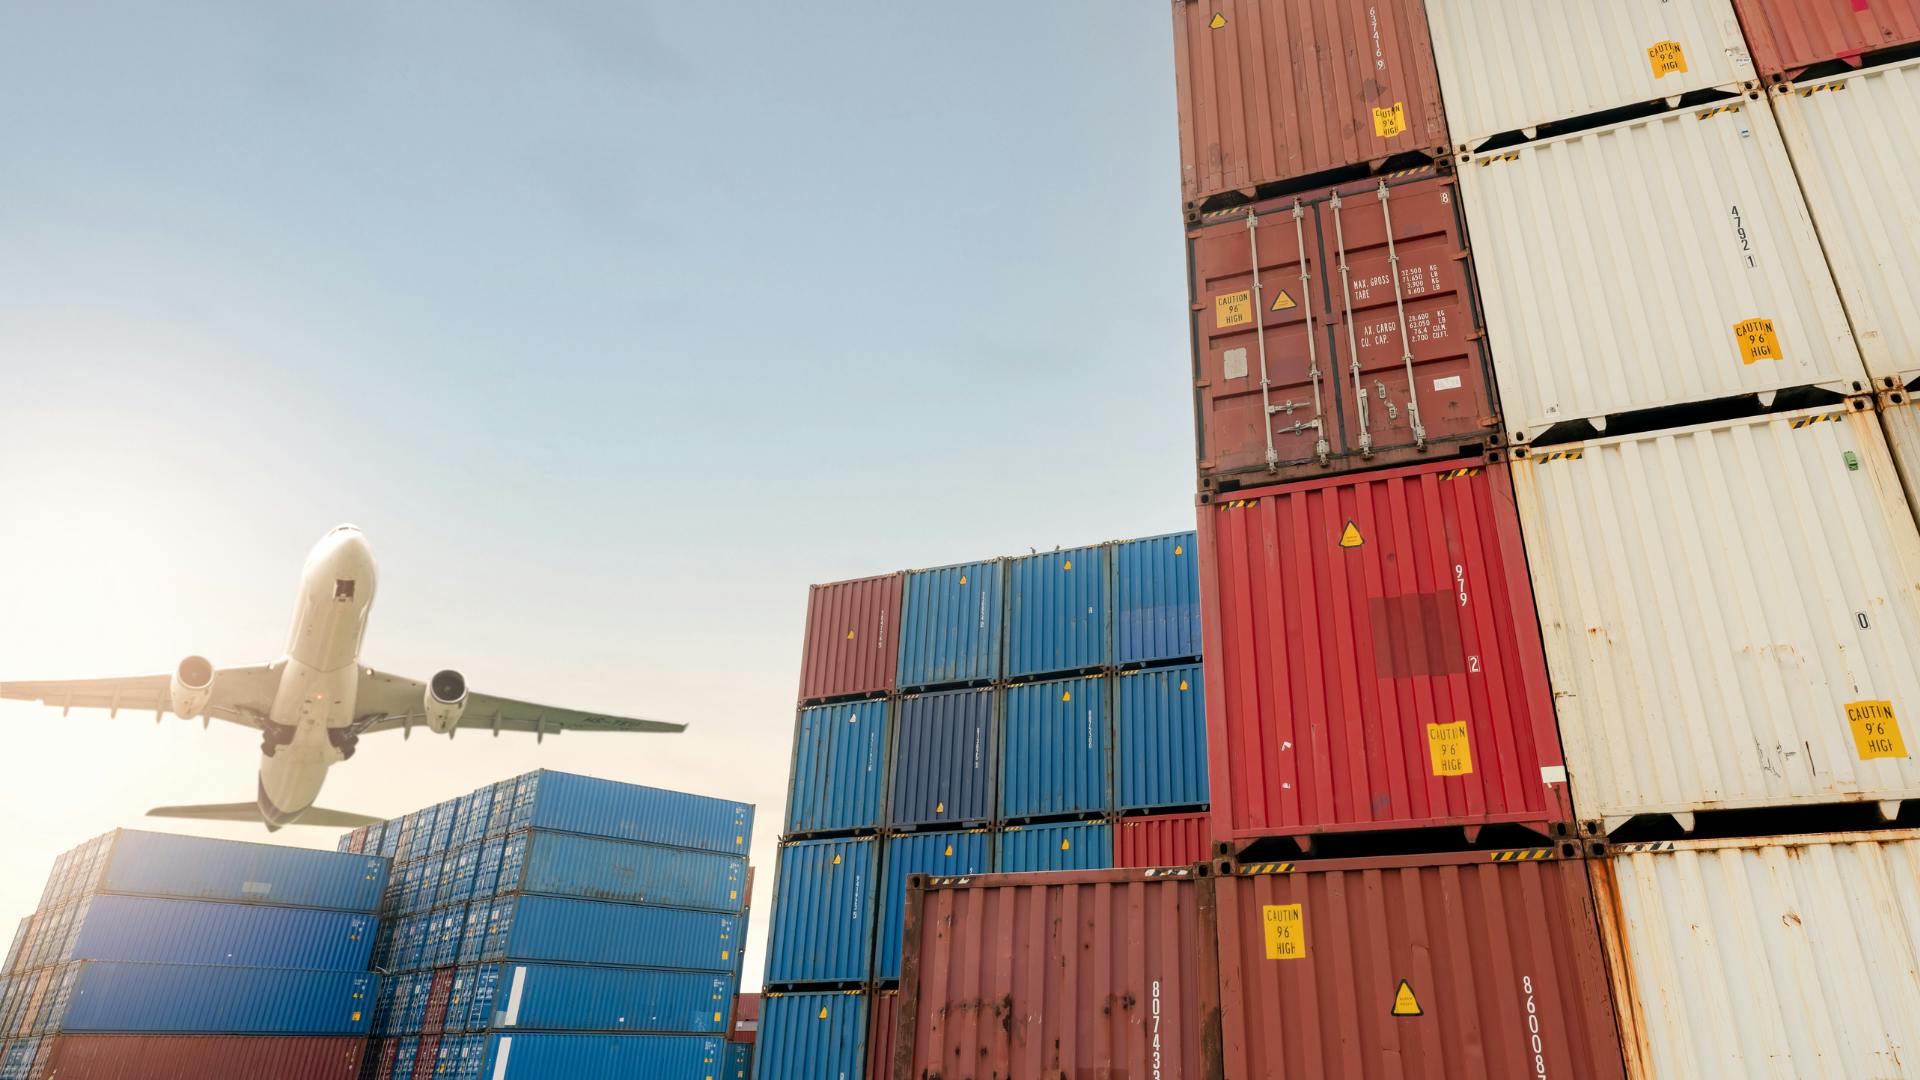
{"x": 313, "y": 704}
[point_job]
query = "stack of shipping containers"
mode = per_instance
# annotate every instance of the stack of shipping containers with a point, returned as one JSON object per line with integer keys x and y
{"x": 162, "y": 957}
{"x": 560, "y": 925}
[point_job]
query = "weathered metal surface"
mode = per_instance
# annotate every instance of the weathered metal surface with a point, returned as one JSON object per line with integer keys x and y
{"x": 1789, "y": 36}
{"x": 852, "y": 638}
{"x": 1161, "y": 840}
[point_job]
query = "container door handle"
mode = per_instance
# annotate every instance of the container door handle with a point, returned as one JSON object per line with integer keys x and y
{"x": 1406, "y": 344}
{"x": 1353, "y": 346}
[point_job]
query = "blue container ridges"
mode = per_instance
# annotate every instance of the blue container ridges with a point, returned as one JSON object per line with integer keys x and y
{"x": 1068, "y": 845}
{"x": 1058, "y": 607}
{"x": 823, "y": 911}
{"x": 596, "y": 868}
{"x": 165, "y": 931}
{"x": 950, "y": 629}
{"x": 1054, "y": 755}
{"x": 1156, "y": 599}
{"x": 565, "y": 930}
{"x": 1161, "y": 738}
{"x": 839, "y": 768}
{"x": 942, "y": 854}
{"x": 739, "y": 1063}
{"x": 812, "y": 1036}
{"x": 547, "y": 1056}
{"x": 565, "y": 802}
{"x": 196, "y": 868}
{"x": 559, "y": 997}
{"x": 103, "y": 996}
{"x": 944, "y": 758}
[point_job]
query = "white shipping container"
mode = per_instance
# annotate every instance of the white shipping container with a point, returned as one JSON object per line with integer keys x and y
{"x": 1855, "y": 141}
{"x": 1661, "y": 261}
{"x": 1731, "y": 614}
{"x": 1509, "y": 65}
{"x": 1786, "y": 957}
{"x": 1900, "y": 419}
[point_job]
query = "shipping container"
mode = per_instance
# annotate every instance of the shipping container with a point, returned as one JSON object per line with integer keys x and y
{"x": 1789, "y": 36}
{"x": 1513, "y": 65}
{"x": 163, "y": 931}
{"x": 944, "y": 759}
{"x": 1900, "y": 421}
{"x": 823, "y": 911}
{"x": 439, "y": 992}
{"x": 813, "y": 1037}
{"x": 950, "y": 631}
{"x": 1156, "y": 600}
{"x": 19, "y": 1058}
{"x": 1732, "y": 612}
{"x": 565, "y": 930}
{"x": 406, "y": 1055}
{"x": 1059, "y": 612}
{"x": 850, "y": 649}
{"x": 108, "y": 997}
{"x": 198, "y": 868}
{"x": 594, "y": 868}
{"x": 1373, "y": 660}
{"x": 1055, "y": 753}
{"x": 1465, "y": 965}
{"x": 1855, "y": 141}
{"x": 839, "y": 771}
{"x": 1270, "y": 91}
{"x": 564, "y": 802}
{"x": 1091, "y": 974}
{"x": 1612, "y": 287}
{"x": 1161, "y": 840}
{"x": 746, "y": 1018}
{"x": 559, "y": 997}
{"x": 739, "y": 1061}
{"x": 1066, "y": 845}
{"x": 883, "y": 1012}
{"x": 1779, "y": 956}
{"x": 941, "y": 854}
{"x": 1160, "y": 740}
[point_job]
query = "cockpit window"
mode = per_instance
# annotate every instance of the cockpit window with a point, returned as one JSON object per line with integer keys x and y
{"x": 343, "y": 588}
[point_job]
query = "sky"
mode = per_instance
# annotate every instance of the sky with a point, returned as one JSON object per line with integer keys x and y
{"x": 614, "y": 324}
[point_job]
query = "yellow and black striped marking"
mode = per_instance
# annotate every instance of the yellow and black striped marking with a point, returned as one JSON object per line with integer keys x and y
{"x": 1538, "y": 854}
{"x": 1717, "y": 111}
{"x": 1559, "y": 455}
{"x": 1799, "y": 422}
{"x": 1460, "y": 474}
{"x": 1240, "y": 504}
{"x": 1812, "y": 90}
{"x": 1258, "y": 869}
{"x": 1657, "y": 845}
{"x": 1486, "y": 161}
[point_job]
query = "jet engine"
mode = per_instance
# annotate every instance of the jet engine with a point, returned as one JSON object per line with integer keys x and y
{"x": 192, "y": 687}
{"x": 446, "y": 700}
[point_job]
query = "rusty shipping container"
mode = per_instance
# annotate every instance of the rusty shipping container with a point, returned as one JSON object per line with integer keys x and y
{"x": 1103, "y": 973}
{"x": 199, "y": 1057}
{"x": 1161, "y": 840}
{"x": 852, "y": 638}
{"x": 1312, "y": 355}
{"x": 1447, "y": 967}
{"x": 1373, "y": 658}
{"x": 883, "y": 1011}
{"x": 1790, "y": 36}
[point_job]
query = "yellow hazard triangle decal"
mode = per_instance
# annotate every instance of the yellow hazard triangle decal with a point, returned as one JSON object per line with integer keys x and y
{"x": 1065, "y": 844}
{"x": 1404, "y": 1003}
{"x": 1351, "y": 538}
{"x": 1283, "y": 302}
{"x": 1219, "y": 21}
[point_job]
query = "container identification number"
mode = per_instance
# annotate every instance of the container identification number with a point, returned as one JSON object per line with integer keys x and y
{"x": 1156, "y": 1029}
{"x": 1740, "y": 234}
{"x": 1533, "y": 1030}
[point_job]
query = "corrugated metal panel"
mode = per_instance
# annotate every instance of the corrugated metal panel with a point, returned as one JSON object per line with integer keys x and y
{"x": 1663, "y": 260}
{"x": 1900, "y": 420}
{"x": 199, "y": 1057}
{"x": 564, "y": 864}
{"x": 19, "y": 938}
{"x": 839, "y": 767}
{"x": 154, "y": 930}
{"x": 1156, "y": 599}
{"x": 1101, "y": 974}
{"x": 1789, "y": 36}
{"x": 198, "y": 868}
{"x": 823, "y": 903}
{"x": 557, "y": 997}
{"x": 1718, "y": 601}
{"x": 1055, "y": 756}
{"x": 1058, "y": 608}
{"x": 942, "y": 854}
{"x": 593, "y": 932}
{"x": 543, "y": 1056}
{"x": 1437, "y": 966}
{"x": 1791, "y": 956}
{"x": 1160, "y": 740}
{"x": 1070, "y": 845}
{"x": 950, "y": 631}
{"x": 813, "y": 1037}
{"x": 883, "y": 1017}
{"x": 1270, "y": 90}
{"x": 1855, "y": 142}
{"x": 466, "y": 981}
{"x": 101, "y": 996}
{"x": 1353, "y": 626}
{"x": 850, "y": 647}
{"x": 17, "y": 1061}
{"x": 585, "y": 804}
{"x": 739, "y": 1061}
{"x": 945, "y": 758}
{"x": 439, "y": 992}
{"x": 1512, "y": 64}
{"x": 1161, "y": 840}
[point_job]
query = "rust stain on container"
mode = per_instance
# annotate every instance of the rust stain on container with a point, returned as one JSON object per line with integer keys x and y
{"x": 1789, "y": 36}
{"x": 852, "y": 642}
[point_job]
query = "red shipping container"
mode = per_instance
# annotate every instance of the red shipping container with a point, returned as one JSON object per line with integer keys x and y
{"x": 851, "y": 647}
{"x": 387, "y": 1050}
{"x": 746, "y": 1007}
{"x": 1097, "y": 973}
{"x": 1373, "y": 659}
{"x": 1274, "y": 90}
{"x": 428, "y": 1058}
{"x": 1465, "y": 965}
{"x": 435, "y": 1018}
{"x": 200, "y": 1057}
{"x": 1789, "y": 36}
{"x": 883, "y": 1013}
{"x": 1325, "y": 294}
{"x": 1161, "y": 840}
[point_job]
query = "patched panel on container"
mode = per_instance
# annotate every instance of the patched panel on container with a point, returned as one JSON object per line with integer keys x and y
{"x": 1416, "y": 634}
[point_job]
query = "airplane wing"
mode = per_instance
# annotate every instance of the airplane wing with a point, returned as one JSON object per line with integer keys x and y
{"x": 249, "y": 812}
{"x": 241, "y": 695}
{"x": 389, "y": 702}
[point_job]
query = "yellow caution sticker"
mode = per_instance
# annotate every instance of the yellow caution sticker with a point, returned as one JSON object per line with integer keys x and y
{"x": 1233, "y": 309}
{"x": 941, "y": 808}
{"x": 1390, "y": 122}
{"x": 1447, "y": 743}
{"x": 1351, "y": 538}
{"x": 1068, "y": 565}
{"x": 356, "y": 1016}
{"x": 1758, "y": 341}
{"x": 823, "y": 1012}
{"x": 836, "y": 858}
{"x": 1065, "y": 844}
{"x": 1183, "y": 686}
{"x": 1066, "y": 695}
{"x": 1404, "y": 1003}
{"x": 1667, "y": 58}
{"x": 1876, "y": 733}
{"x": 1217, "y": 21}
{"x": 1283, "y": 302}
{"x": 1286, "y": 930}
{"x": 949, "y": 853}
{"x": 1179, "y": 549}
{"x": 963, "y": 579}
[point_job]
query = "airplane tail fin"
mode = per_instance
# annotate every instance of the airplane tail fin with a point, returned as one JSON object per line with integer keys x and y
{"x": 250, "y": 812}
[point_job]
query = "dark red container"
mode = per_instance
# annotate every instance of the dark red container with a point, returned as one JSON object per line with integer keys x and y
{"x": 1273, "y": 90}
{"x": 1481, "y": 965}
{"x": 1789, "y": 36}
{"x": 1373, "y": 659}
{"x": 1161, "y": 840}
{"x": 425, "y": 1062}
{"x": 746, "y": 1007}
{"x": 383, "y": 1051}
{"x": 851, "y": 645}
{"x": 199, "y": 1057}
{"x": 883, "y": 1013}
{"x": 435, "y": 1018}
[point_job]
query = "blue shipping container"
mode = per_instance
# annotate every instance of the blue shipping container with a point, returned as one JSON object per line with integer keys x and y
{"x": 943, "y": 854}
{"x": 595, "y": 932}
{"x": 17, "y": 1063}
{"x": 1156, "y": 599}
{"x": 473, "y": 940}
{"x": 162, "y": 931}
{"x": 559, "y": 997}
{"x": 595, "y": 868}
{"x": 103, "y": 996}
{"x": 823, "y": 905}
{"x": 479, "y": 1016}
{"x": 460, "y": 994}
{"x": 545, "y": 1056}
{"x": 1057, "y": 612}
{"x": 950, "y": 628}
{"x": 944, "y": 758}
{"x": 406, "y": 1053}
{"x": 486, "y": 877}
{"x": 1070, "y": 845}
{"x": 839, "y": 767}
{"x": 813, "y": 1037}
{"x": 1161, "y": 738}
{"x": 565, "y": 802}
{"x": 1054, "y": 758}
{"x": 196, "y": 868}
{"x": 739, "y": 1064}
